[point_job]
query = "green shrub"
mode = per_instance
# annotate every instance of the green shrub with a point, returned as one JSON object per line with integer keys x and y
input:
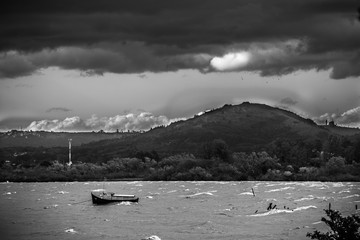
{"x": 336, "y": 165}
{"x": 343, "y": 228}
{"x": 217, "y": 149}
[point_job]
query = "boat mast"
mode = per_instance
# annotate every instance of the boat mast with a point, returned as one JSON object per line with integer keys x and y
{"x": 69, "y": 164}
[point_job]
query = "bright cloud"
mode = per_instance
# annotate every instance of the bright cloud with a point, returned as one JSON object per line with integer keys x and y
{"x": 270, "y": 58}
{"x": 230, "y": 61}
{"x": 129, "y": 122}
{"x": 350, "y": 118}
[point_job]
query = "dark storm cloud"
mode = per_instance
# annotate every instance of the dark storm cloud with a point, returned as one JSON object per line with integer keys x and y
{"x": 14, "y": 65}
{"x": 347, "y": 68}
{"x": 118, "y": 58}
{"x": 160, "y": 35}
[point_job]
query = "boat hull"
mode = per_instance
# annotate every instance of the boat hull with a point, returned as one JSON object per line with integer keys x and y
{"x": 105, "y": 198}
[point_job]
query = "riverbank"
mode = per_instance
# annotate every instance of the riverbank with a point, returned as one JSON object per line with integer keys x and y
{"x": 224, "y": 172}
{"x": 186, "y": 167}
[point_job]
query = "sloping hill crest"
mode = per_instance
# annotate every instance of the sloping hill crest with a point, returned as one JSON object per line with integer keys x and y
{"x": 244, "y": 127}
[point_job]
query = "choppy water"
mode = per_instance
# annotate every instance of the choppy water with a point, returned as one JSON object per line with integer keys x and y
{"x": 172, "y": 210}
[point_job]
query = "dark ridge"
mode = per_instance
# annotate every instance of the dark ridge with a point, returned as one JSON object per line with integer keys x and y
{"x": 245, "y": 127}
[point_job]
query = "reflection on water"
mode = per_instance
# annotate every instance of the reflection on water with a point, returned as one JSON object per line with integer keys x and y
{"x": 172, "y": 210}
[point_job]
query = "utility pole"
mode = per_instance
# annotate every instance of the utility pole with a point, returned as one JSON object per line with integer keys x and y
{"x": 69, "y": 164}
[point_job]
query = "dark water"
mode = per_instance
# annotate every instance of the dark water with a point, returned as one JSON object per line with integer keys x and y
{"x": 172, "y": 210}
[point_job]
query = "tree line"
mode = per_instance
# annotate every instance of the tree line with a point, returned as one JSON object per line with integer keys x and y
{"x": 337, "y": 159}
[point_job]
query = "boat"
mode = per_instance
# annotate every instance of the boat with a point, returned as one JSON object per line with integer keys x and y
{"x": 109, "y": 197}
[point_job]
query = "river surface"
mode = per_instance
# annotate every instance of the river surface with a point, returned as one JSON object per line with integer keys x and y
{"x": 172, "y": 210}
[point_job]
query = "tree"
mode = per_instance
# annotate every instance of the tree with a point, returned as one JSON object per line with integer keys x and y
{"x": 335, "y": 165}
{"x": 356, "y": 153}
{"x": 217, "y": 149}
{"x": 343, "y": 228}
{"x": 334, "y": 145}
{"x": 45, "y": 164}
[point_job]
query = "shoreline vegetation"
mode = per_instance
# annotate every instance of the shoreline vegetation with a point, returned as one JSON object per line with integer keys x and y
{"x": 341, "y": 227}
{"x": 215, "y": 163}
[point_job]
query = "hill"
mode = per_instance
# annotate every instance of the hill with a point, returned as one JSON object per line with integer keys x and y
{"x": 244, "y": 127}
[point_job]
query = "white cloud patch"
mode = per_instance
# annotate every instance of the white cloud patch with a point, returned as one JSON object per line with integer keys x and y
{"x": 230, "y": 61}
{"x": 269, "y": 58}
{"x": 68, "y": 124}
{"x": 350, "y": 118}
{"x": 128, "y": 122}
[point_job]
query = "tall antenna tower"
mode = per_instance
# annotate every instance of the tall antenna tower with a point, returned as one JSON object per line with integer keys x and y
{"x": 69, "y": 164}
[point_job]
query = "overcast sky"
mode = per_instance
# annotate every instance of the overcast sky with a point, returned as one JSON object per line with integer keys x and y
{"x": 131, "y": 65}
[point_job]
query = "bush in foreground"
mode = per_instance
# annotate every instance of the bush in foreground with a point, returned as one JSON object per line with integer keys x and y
{"x": 343, "y": 228}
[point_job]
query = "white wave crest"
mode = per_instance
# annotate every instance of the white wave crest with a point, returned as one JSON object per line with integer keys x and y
{"x": 153, "y": 237}
{"x": 277, "y": 211}
{"x": 304, "y": 208}
{"x": 172, "y": 191}
{"x": 124, "y": 203}
{"x": 62, "y": 192}
{"x": 317, "y": 184}
{"x": 304, "y": 184}
{"x": 274, "y": 184}
{"x": 280, "y": 189}
{"x": 133, "y": 182}
{"x": 271, "y": 212}
{"x": 70, "y": 230}
{"x": 98, "y": 190}
{"x": 310, "y": 197}
{"x": 314, "y": 223}
{"x": 201, "y": 193}
{"x": 345, "y": 191}
{"x": 350, "y": 196}
{"x": 246, "y": 193}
